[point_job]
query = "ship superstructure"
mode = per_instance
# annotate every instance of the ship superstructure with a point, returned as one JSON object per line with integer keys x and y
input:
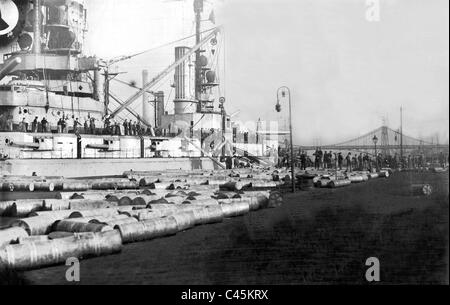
{"x": 55, "y": 102}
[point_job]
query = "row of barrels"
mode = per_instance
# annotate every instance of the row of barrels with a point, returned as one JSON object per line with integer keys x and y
{"x": 330, "y": 181}
{"x": 32, "y": 184}
{"x": 50, "y": 237}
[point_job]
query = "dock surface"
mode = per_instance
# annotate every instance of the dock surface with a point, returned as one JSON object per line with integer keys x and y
{"x": 317, "y": 237}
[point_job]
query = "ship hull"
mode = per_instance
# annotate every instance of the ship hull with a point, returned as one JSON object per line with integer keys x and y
{"x": 76, "y": 168}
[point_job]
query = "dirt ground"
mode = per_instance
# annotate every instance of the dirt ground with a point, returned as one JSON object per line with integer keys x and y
{"x": 322, "y": 236}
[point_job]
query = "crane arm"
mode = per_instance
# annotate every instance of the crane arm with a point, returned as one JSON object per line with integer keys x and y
{"x": 163, "y": 74}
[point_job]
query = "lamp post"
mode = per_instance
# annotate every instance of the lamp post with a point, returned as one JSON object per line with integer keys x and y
{"x": 285, "y": 90}
{"x": 375, "y": 141}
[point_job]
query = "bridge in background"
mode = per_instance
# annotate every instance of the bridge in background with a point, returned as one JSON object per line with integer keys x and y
{"x": 389, "y": 142}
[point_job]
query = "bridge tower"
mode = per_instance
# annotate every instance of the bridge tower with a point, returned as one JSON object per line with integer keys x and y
{"x": 385, "y": 149}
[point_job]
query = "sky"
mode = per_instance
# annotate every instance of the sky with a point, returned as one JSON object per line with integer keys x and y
{"x": 347, "y": 75}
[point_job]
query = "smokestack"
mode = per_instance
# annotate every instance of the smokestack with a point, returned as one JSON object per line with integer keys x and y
{"x": 181, "y": 77}
{"x": 183, "y": 102}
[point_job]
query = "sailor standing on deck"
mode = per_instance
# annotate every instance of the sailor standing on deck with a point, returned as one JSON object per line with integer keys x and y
{"x": 76, "y": 123}
{"x": 130, "y": 127}
{"x": 34, "y": 125}
{"x": 125, "y": 127}
{"x": 64, "y": 125}
{"x": 23, "y": 125}
{"x": 44, "y": 125}
{"x": 133, "y": 128}
{"x": 86, "y": 126}
{"x": 138, "y": 128}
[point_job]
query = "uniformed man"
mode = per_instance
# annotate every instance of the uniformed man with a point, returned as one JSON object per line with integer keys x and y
{"x": 44, "y": 123}
{"x": 76, "y": 123}
{"x": 348, "y": 159}
{"x": 340, "y": 160}
{"x": 130, "y": 128}
{"x": 125, "y": 127}
{"x": 34, "y": 125}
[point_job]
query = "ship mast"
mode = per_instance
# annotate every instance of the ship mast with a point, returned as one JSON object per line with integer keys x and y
{"x": 198, "y": 8}
{"x": 37, "y": 27}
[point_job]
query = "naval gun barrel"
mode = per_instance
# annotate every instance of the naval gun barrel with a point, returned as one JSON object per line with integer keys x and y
{"x": 9, "y": 66}
{"x": 98, "y": 146}
{"x": 22, "y": 144}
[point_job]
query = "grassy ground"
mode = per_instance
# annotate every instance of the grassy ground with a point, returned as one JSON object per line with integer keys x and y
{"x": 321, "y": 236}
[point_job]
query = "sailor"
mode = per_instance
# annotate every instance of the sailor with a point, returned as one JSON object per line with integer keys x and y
{"x": 130, "y": 128}
{"x": 86, "y": 126}
{"x": 44, "y": 124}
{"x": 325, "y": 159}
{"x": 340, "y": 160}
{"x": 9, "y": 123}
{"x": 360, "y": 162}
{"x": 64, "y": 125}
{"x": 34, "y": 125}
{"x": 92, "y": 125}
{"x": 133, "y": 128}
{"x": 321, "y": 157}
{"x": 116, "y": 128}
{"x": 107, "y": 124}
{"x": 59, "y": 125}
{"x": 76, "y": 123}
{"x": 138, "y": 128}
{"x": 303, "y": 161}
{"x": 317, "y": 159}
{"x": 23, "y": 125}
{"x": 348, "y": 160}
{"x": 125, "y": 127}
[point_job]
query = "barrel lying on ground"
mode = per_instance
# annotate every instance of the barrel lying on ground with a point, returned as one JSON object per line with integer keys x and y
{"x": 11, "y": 235}
{"x": 234, "y": 209}
{"x": 97, "y": 212}
{"x": 208, "y": 215}
{"x": 80, "y": 227}
{"x": 37, "y": 225}
{"x": 148, "y": 229}
{"x": 340, "y": 183}
{"x": 20, "y": 208}
{"x": 83, "y": 204}
{"x": 75, "y": 186}
{"x": 185, "y": 220}
{"x": 52, "y": 252}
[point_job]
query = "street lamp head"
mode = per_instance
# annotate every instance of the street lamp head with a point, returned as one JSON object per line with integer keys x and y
{"x": 375, "y": 139}
{"x": 278, "y": 107}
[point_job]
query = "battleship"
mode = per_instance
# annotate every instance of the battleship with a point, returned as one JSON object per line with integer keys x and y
{"x": 58, "y": 116}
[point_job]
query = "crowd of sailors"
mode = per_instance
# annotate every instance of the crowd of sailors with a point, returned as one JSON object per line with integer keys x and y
{"x": 323, "y": 160}
{"x": 90, "y": 125}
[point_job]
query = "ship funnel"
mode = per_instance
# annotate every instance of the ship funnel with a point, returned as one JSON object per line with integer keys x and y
{"x": 9, "y": 66}
{"x": 181, "y": 75}
{"x": 183, "y": 95}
